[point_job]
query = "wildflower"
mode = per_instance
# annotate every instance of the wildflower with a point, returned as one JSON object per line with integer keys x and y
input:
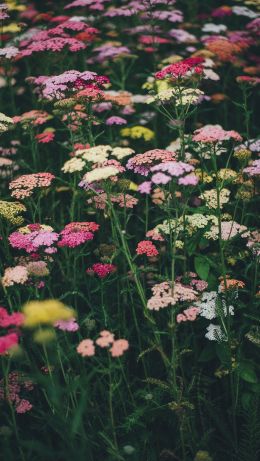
{"x": 77, "y": 233}
{"x": 32, "y": 118}
{"x": 11, "y": 212}
{"x": 11, "y": 388}
{"x": 215, "y": 133}
{"x": 24, "y": 186}
{"x": 98, "y": 174}
{"x": 210, "y": 197}
{"x": 7, "y": 320}
{"x": 7, "y": 342}
{"x": 31, "y": 238}
{"x": 229, "y": 229}
{"x": 115, "y": 121}
{"x": 121, "y": 152}
{"x": 86, "y": 348}
{"x": 5, "y": 122}
{"x": 188, "y": 315}
{"x": 164, "y": 295}
{"x": 142, "y": 163}
{"x": 73, "y": 165}
{"x": 45, "y": 312}
{"x": 253, "y": 169}
{"x": 181, "y": 69}
{"x": 23, "y": 406}
{"x": 105, "y": 339}
{"x": 45, "y": 137}
{"x": 15, "y": 275}
{"x": 138, "y": 132}
{"x": 211, "y": 306}
{"x": 118, "y": 348}
{"x": 215, "y": 333}
{"x": 146, "y": 247}
{"x": 123, "y": 200}
{"x": 102, "y": 270}
{"x": 67, "y": 325}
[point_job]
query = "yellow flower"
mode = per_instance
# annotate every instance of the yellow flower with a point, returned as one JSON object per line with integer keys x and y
{"x": 11, "y": 212}
{"x": 12, "y": 5}
{"x": 12, "y": 28}
{"x": 45, "y": 312}
{"x": 137, "y": 132}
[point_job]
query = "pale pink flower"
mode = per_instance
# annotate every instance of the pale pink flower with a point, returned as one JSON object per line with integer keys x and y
{"x": 86, "y": 348}
{"x": 118, "y": 348}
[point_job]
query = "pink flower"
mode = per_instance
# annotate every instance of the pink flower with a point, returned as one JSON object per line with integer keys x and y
{"x": 146, "y": 247}
{"x": 86, "y": 348}
{"x": 188, "y": 180}
{"x": 145, "y": 187}
{"x": 105, "y": 339}
{"x": 160, "y": 178}
{"x": 118, "y": 348}
{"x": 215, "y": 133}
{"x": 45, "y": 137}
{"x": 188, "y": 315}
{"x": 23, "y": 406}
{"x": 181, "y": 69}
{"x": 7, "y": 342}
{"x": 102, "y": 270}
{"x": 67, "y": 325}
{"x": 6, "y": 320}
{"x": 116, "y": 121}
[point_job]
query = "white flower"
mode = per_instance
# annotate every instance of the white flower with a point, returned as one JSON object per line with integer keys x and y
{"x": 244, "y": 11}
{"x": 214, "y": 28}
{"x": 212, "y": 306}
{"x": 100, "y": 173}
{"x": 214, "y": 333}
{"x": 5, "y": 122}
{"x": 122, "y": 152}
{"x": 210, "y": 197}
{"x": 96, "y": 154}
{"x": 210, "y": 75}
{"x": 73, "y": 165}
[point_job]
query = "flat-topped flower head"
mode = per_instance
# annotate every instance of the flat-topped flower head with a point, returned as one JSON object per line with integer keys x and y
{"x": 214, "y": 134}
{"x": 24, "y": 186}
{"x": 181, "y": 69}
{"x": 142, "y": 163}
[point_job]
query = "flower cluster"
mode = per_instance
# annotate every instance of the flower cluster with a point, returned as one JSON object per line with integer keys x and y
{"x": 24, "y": 186}
{"x": 86, "y": 348}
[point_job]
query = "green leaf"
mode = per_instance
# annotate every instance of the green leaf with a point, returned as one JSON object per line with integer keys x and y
{"x": 201, "y": 267}
{"x": 247, "y": 372}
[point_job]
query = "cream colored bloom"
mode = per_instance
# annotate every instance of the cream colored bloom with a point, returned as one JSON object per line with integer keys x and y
{"x": 73, "y": 165}
{"x": 100, "y": 173}
{"x": 122, "y": 152}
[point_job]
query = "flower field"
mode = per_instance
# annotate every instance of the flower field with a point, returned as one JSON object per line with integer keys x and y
{"x": 129, "y": 230}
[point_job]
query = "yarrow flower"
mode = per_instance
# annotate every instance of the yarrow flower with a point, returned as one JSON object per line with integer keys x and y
{"x": 215, "y": 133}
{"x": 102, "y": 270}
{"x": 164, "y": 294}
{"x": 188, "y": 315}
{"x": 11, "y": 211}
{"x": 67, "y": 325}
{"x": 142, "y": 163}
{"x": 116, "y": 121}
{"x": 184, "y": 68}
{"x": 11, "y": 388}
{"x": 33, "y": 238}
{"x": 46, "y": 312}
{"x": 117, "y": 347}
{"x": 24, "y": 186}
{"x": 77, "y": 233}
{"x": 145, "y": 247}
